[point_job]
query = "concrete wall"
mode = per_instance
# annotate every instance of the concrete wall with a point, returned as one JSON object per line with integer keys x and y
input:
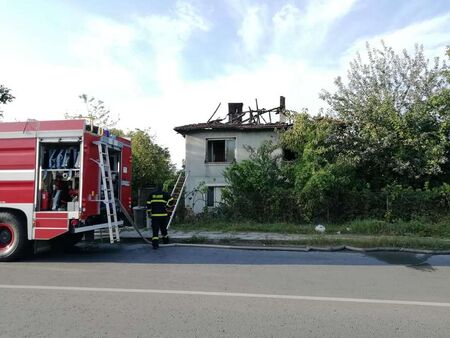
{"x": 211, "y": 174}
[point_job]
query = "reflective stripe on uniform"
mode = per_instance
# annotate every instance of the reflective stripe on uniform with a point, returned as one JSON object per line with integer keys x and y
{"x": 158, "y": 215}
{"x": 153, "y": 238}
{"x": 156, "y": 201}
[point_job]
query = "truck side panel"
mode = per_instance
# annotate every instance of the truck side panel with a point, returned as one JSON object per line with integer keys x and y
{"x": 91, "y": 177}
{"x": 126, "y": 177}
{"x": 16, "y": 191}
{"x": 17, "y": 176}
{"x": 50, "y": 224}
{"x": 18, "y": 153}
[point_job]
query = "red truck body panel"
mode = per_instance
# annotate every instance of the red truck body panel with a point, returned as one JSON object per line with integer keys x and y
{"x": 48, "y": 225}
{"x": 16, "y": 153}
{"x": 90, "y": 187}
{"x": 126, "y": 164}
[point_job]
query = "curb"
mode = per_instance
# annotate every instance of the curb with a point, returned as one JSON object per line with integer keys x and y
{"x": 299, "y": 248}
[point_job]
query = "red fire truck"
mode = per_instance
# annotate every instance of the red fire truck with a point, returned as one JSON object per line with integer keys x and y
{"x": 60, "y": 180}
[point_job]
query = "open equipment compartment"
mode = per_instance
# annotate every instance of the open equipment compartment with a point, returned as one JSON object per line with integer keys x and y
{"x": 59, "y": 162}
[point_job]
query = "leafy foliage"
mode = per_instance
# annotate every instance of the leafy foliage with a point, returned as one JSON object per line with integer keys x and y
{"x": 5, "y": 96}
{"x": 258, "y": 188}
{"x": 151, "y": 162}
{"x": 393, "y": 120}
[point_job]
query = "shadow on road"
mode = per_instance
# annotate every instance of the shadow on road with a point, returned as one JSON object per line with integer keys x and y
{"x": 414, "y": 261}
{"x": 143, "y": 254}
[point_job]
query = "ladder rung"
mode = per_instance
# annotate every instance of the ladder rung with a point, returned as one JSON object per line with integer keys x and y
{"x": 104, "y": 201}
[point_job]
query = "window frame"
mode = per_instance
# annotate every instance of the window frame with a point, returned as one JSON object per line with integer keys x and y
{"x": 226, "y": 140}
{"x": 213, "y": 189}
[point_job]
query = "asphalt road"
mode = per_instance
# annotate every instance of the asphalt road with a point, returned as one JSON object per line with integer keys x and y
{"x": 131, "y": 290}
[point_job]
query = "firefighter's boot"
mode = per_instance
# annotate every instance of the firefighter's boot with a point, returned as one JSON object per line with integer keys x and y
{"x": 165, "y": 239}
{"x": 155, "y": 242}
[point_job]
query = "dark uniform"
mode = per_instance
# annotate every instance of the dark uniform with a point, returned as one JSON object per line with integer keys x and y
{"x": 157, "y": 209}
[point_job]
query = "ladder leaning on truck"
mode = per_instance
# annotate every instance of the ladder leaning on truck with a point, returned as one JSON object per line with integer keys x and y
{"x": 60, "y": 180}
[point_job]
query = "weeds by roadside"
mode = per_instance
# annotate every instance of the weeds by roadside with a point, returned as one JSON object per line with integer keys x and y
{"x": 413, "y": 228}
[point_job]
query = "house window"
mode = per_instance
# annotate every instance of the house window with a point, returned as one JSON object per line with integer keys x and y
{"x": 210, "y": 197}
{"x": 220, "y": 150}
{"x": 214, "y": 196}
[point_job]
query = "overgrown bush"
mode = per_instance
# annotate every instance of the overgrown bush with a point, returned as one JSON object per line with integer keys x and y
{"x": 258, "y": 188}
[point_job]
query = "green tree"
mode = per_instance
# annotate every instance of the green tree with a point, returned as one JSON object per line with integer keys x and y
{"x": 96, "y": 112}
{"x": 388, "y": 105}
{"x": 321, "y": 177}
{"x": 440, "y": 105}
{"x": 5, "y": 96}
{"x": 151, "y": 162}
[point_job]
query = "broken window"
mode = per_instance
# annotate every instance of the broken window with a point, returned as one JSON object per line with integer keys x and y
{"x": 289, "y": 155}
{"x": 220, "y": 150}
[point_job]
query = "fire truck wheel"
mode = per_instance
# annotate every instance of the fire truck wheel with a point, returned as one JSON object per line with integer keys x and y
{"x": 13, "y": 237}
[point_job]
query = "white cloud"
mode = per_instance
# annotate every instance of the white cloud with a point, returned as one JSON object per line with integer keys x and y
{"x": 253, "y": 30}
{"x": 110, "y": 63}
{"x": 433, "y": 33}
{"x": 287, "y": 27}
{"x": 323, "y": 12}
{"x": 168, "y": 36}
{"x": 299, "y": 30}
{"x": 106, "y": 63}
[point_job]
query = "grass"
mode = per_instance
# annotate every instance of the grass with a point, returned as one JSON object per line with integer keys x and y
{"x": 365, "y": 233}
{"x": 243, "y": 226}
{"x": 414, "y": 228}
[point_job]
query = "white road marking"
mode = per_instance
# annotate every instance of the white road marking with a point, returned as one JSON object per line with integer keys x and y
{"x": 225, "y": 294}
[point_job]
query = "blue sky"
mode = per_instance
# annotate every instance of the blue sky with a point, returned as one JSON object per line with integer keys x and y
{"x": 160, "y": 64}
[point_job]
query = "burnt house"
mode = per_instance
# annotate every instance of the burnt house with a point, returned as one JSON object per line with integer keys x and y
{"x": 212, "y": 146}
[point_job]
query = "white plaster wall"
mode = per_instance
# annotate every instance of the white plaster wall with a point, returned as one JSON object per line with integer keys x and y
{"x": 212, "y": 173}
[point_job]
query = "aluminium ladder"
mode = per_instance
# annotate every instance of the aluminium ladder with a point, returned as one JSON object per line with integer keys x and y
{"x": 107, "y": 186}
{"x": 176, "y": 193}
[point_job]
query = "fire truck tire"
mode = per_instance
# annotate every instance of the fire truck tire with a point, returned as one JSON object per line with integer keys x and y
{"x": 14, "y": 243}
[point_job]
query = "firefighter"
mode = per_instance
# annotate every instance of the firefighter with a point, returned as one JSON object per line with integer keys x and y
{"x": 157, "y": 208}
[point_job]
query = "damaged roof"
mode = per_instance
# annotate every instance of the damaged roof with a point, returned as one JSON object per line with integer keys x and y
{"x": 239, "y": 120}
{"x": 197, "y": 127}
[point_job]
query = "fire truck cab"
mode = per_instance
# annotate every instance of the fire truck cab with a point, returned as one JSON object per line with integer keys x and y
{"x": 59, "y": 180}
